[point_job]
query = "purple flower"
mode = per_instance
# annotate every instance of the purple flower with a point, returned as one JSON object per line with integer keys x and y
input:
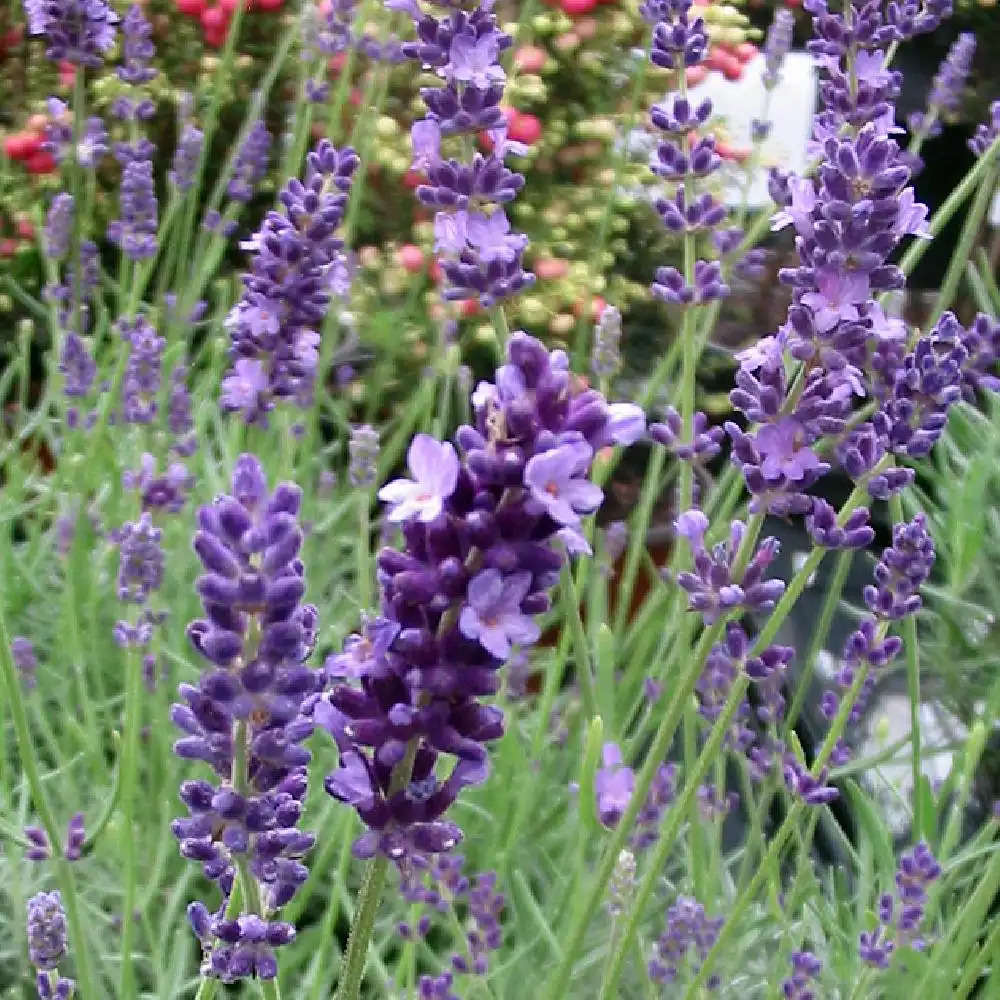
{"x": 186, "y": 158}
{"x": 688, "y": 937}
{"x": 141, "y": 560}
{"x": 405, "y": 701}
{"x": 47, "y": 934}
{"x": 901, "y": 916}
{"x": 987, "y": 133}
{"x": 166, "y": 492}
{"x": 135, "y": 231}
{"x": 556, "y": 481}
{"x": 244, "y": 718}
{"x": 23, "y": 653}
{"x": 434, "y": 466}
{"x": 77, "y": 31}
{"x": 805, "y": 968}
{"x": 59, "y": 226}
{"x": 474, "y": 61}
{"x": 286, "y": 292}
{"x": 137, "y": 35}
{"x": 493, "y": 616}
{"x": 711, "y": 586}
{"x": 143, "y": 372}
{"x": 76, "y": 836}
{"x": 614, "y": 784}
{"x": 251, "y": 163}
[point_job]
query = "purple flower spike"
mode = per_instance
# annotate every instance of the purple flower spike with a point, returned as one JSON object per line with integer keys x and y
{"x": 244, "y": 718}
{"x": 614, "y": 784}
{"x": 77, "y": 31}
{"x": 493, "y": 615}
{"x": 483, "y": 544}
{"x": 47, "y": 934}
{"x": 555, "y": 480}
{"x": 434, "y": 466}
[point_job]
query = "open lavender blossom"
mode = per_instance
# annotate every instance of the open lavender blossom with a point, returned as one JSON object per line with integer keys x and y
{"x": 481, "y": 548}
{"x": 243, "y": 720}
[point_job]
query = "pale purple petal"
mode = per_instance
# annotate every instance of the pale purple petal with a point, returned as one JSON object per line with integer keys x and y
{"x": 626, "y": 423}
{"x": 485, "y": 590}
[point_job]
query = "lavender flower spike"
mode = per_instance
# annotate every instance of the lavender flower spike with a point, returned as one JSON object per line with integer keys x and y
{"x": 47, "y": 941}
{"x": 482, "y": 547}
{"x": 77, "y": 31}
{"x": 244, "y": 720}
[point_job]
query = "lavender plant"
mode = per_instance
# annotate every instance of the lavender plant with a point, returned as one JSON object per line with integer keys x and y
{"x": 602, "y": 735}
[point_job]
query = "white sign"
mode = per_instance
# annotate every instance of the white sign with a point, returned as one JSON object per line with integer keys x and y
{"x": 738, "y": 103}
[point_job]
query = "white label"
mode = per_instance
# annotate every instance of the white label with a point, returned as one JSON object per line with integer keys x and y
{"x": 995, "y": 210}
{"x": 738, "y": 103}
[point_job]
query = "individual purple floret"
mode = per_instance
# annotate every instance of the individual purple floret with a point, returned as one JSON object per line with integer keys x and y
{"x": 614, "y": 784}
{"x": 407, "y": 697}
{"x": 165, "y": 491}
{"x": 686, "y": 941}
{"x": 363, "y": 449}
{"x": 40, "y": 849}
{"x": 711, "y": 587}
{"x": 76, "y": 31}
{"x": 135, "y": 230}
{"x": 143, "y": 372}
{"x": 76, "y": 836}
{"x": 901, "y": 915}
{"x": 137, "y": 45}
{"x": 811, "y": 789}
{"x": 243, "y": 719}
{"x": 25, "y": 660}
{"x": 946, "y": 90}
{"x": 805, "y": 968}
{"x": 59, "y": 226}
{"x": 250, "y": 165}
{"x": 286, "y": 294}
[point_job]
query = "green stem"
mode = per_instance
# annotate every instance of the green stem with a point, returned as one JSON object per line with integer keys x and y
{"x": 963, "y": 249}
{"x": 364, "y": 569}
{"x": 913, "y": 689}
{"x": 129, "y": 769}
{"x": 369, "y": 898}
{"x": 584, "y": 667}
